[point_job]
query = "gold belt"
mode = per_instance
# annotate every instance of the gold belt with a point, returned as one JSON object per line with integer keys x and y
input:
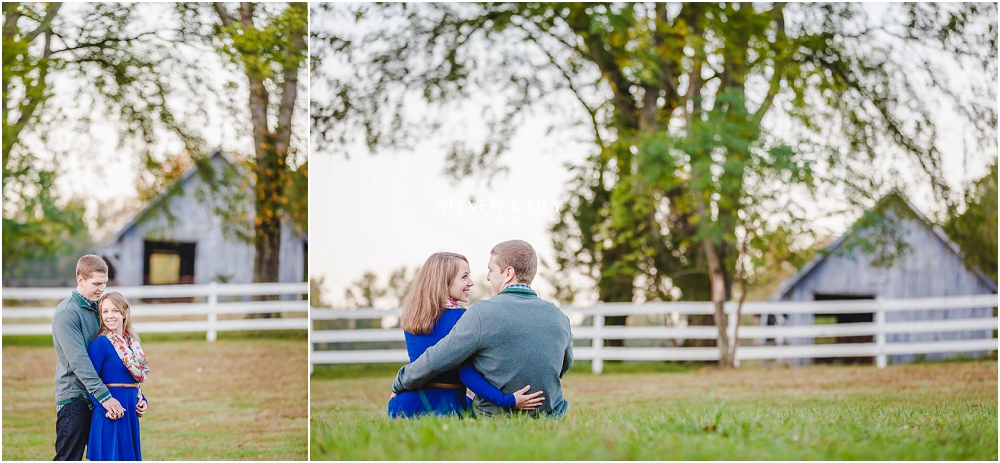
{"x": 133, "y": 385}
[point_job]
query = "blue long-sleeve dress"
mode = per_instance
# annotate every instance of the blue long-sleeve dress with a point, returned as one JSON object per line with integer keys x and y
{"x": 113, "y": 440}
{"x": 438, "y": 400}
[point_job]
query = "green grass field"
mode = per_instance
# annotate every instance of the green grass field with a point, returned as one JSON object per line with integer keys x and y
{"x": 936, "y": 411}
{"x": 241, "y": 398}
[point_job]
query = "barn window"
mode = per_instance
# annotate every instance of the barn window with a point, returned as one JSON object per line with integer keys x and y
{"x": 112, "y": 272}
{"x": 861, "y": 317}
{"x": 168, "y": 263}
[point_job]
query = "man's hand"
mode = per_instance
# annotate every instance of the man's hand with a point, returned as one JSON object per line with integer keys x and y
{"x": 140, "y": 406}
{"x": 114, "y": 408}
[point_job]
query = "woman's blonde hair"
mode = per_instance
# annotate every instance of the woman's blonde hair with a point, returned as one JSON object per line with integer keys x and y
{"x": 426, "y": 300}
{"x": 119, "y": 301}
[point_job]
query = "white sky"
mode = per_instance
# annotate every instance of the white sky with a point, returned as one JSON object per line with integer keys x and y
{"x": 383, "y": 211}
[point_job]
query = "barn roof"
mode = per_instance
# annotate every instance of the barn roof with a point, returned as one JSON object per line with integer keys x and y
{"x": 789, "y": 283}
{"x": 162, "y": 195}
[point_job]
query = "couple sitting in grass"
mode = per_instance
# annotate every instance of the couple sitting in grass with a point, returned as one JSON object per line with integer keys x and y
{"x": 510, "y": 350}
{"x": 99, "y": 364}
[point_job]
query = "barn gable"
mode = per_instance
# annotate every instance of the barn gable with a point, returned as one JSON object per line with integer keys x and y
{"x": 931, "y": 264}
{"x": 192, "y": 247}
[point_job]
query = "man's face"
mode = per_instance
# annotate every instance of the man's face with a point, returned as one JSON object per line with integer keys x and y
{"x": 497, "y": 277}
{"x": 92, "y": 288}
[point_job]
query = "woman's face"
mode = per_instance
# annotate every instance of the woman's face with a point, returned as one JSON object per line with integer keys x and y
{"x": 112, "y": 316}
{"x": 459, "y": 288}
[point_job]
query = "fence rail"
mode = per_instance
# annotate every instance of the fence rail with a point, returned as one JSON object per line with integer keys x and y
{"x": 294, "y": 312}
{"x": 597, "y": 332}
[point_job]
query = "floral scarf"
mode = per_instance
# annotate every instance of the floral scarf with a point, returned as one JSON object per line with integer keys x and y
{"x": 452, "y": 304}
{"x": 130, "y": 352}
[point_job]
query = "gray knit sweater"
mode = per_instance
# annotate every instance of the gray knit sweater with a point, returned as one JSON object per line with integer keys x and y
{"x": 514, "y": 339}
{"x": 74, "y": 326}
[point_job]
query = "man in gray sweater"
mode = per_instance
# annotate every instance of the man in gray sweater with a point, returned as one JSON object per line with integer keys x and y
{"x": 74, "y": 325}
{"x": 513, "y": 339}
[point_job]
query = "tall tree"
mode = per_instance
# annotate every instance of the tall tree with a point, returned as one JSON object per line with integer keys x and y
{"x": 266, "y": 42}
{"x": 121, "y": 68}
{"x": 717, "y": 126}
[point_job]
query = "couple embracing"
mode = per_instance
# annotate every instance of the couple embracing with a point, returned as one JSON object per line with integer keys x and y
{"x": 99, "y": 365}
{"x": 511, "y": 350}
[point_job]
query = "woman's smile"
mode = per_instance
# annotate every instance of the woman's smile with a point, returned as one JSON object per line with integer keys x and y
{"x": 111, "y": 315}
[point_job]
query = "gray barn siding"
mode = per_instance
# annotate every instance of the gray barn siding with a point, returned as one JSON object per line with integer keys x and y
{"x": 930, "y": 268}
{"x": 215, "y": 255}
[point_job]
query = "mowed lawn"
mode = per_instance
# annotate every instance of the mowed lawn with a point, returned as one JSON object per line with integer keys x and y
{"x": 233, "y": 399}
{"x": 934, "y": 411}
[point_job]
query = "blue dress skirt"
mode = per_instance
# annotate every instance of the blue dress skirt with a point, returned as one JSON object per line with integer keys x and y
{"x": 435, "y": 400}
{"x": 113, "y": 440}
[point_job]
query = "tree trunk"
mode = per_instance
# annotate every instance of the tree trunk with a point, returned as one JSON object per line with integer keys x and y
{"x": 718, "y": 299}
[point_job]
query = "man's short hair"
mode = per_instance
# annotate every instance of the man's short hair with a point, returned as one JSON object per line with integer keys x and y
{"x": 520, "y": 255}
{"x": 89, "y": 264}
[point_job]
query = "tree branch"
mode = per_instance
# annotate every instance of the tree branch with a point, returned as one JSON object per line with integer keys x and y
{"x": 283, "y": 133}
{"x": 778, "y": 68}
{"x": 102, "y": 43}
{"x": 223, "y": 15}
{"x": 46, "y": 23}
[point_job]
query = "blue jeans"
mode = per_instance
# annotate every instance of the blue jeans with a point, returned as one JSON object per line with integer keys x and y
{"x": 73, "y": 429}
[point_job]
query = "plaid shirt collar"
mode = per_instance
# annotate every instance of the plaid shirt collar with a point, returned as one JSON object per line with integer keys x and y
{"x": 517, "y": 286}
{"x": 82, "y": 300}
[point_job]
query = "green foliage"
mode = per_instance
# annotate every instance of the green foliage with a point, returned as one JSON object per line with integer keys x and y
{"x": 316, "y": 292}
{"x": 975, "y": 229}
{"x": 122, "y": 71}
{"x": 368, "y": 292}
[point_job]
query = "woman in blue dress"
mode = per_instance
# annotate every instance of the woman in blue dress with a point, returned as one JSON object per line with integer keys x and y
{"x": 430, "y": 310}
{"x": 121, "y": 364}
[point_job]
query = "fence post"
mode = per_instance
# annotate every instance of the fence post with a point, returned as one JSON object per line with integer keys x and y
{"x": 732, "y": 320}
{"x": 309, "y": 337}
{"x": 597, "y": 364}
{"x": 213, "y": 316}
{"x": 880, "y": 358}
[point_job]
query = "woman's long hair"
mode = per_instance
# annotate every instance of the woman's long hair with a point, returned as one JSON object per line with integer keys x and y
{"x": 119, "y": 301}
{"x": 425, "y": 302}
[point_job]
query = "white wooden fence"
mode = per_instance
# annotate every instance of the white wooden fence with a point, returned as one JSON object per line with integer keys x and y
{"x": 598, "y": 332}
{"x": 294, "y": 312}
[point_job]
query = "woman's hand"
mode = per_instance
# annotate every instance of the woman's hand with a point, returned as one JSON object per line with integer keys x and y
{"x": 392, "y": 396}
{"x": 525, "y": 401}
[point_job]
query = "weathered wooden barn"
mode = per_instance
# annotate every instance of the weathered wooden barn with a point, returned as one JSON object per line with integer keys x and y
{"x": 927, "y": 264}
{"x": 189, "y": 245}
